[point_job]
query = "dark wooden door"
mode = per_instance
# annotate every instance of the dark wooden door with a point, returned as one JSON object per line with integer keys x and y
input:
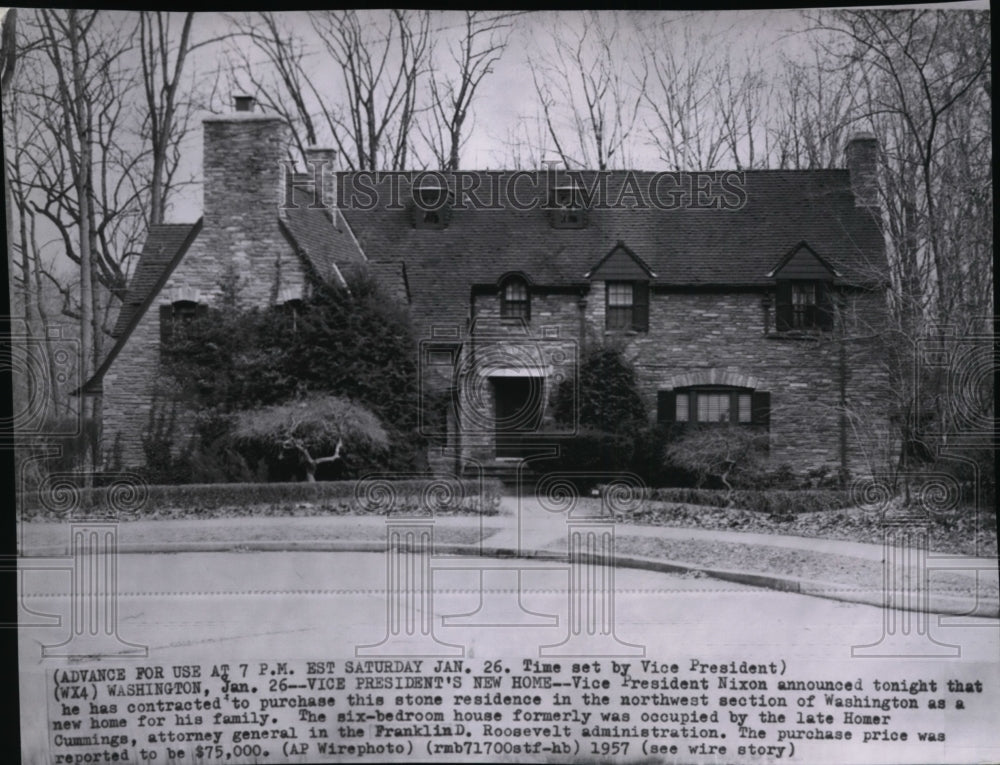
{"x": 518, "y": 413}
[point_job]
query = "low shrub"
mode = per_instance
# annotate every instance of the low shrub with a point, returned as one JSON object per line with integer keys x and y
{"x": 444, "y": 496}
{"x": 779, "y": 503}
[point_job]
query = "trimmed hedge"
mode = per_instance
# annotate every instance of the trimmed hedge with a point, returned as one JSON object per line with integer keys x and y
{"x": 444, "y": 496}
{"x": 773, "y": 501}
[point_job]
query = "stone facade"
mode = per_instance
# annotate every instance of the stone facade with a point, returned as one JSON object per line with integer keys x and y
{"x": 818, "y": 382}
{"x": 241, "y": 235}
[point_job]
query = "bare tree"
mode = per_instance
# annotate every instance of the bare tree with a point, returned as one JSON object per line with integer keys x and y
{"x": 8, "y": 62}
{"x": 163, "y": 58}
{"x": 683, "y": 97}
{"x": 589, "y": 93}
{"x": 82, "y": 194}
{"x": 453, "y": 87}
{"x": 284, "y": 85}
{"x": 814, "y": 105}
{"x": 919, "y": 81}
{"x": 382, "y": 65}
{"x": 918, "y": 67}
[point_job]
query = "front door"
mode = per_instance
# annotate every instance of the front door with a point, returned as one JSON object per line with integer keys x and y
{"x": 518, "y": 407}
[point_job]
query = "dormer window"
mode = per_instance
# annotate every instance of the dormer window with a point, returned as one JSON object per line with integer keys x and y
{"x": 431, "y": 205}
{"x": 515, "y": 303}
{"x": 627, "y": 306}
{"x": 803, "y": 305}
{"x": 566, "y": 207}
{"x": 803, "y": 283}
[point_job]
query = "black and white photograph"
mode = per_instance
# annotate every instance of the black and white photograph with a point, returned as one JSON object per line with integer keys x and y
{"x": 579, "y": 386}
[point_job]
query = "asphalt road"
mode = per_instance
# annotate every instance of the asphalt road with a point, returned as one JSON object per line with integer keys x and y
{"x": 253, "y": 607}
{"x": 182, "y": 604}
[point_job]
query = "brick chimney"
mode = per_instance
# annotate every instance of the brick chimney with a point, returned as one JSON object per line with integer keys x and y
{"x": 324, "y": 158}
{"x": 243, "y": 187}
{"x": 861, "y": 154}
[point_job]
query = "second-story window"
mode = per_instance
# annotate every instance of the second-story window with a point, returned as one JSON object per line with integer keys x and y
{"x": 802, "y": 304}
{"x": 627, "y": 306}
{"x": 514, "y": 300}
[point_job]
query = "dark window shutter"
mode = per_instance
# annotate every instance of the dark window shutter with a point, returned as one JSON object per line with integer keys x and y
{"x": 760, "y": 409}
{"x": 640, "y": 307}
{"x": 783, "y": 306}
{"x": 166, "y": 323}
{"x": 666, "y": 407}
{"x": 824, "y": 306}
{"x": 527, "y": 304}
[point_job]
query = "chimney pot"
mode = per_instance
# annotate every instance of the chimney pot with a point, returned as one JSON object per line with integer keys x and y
{"x": 244, "y": 102}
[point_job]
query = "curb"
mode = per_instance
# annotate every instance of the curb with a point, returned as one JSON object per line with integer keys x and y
{"x": 939, "y": 604}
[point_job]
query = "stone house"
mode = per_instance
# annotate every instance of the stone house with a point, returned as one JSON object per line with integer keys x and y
{"x": 747, "y": 297}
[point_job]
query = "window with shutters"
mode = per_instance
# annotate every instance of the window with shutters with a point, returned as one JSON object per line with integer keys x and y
{"x": 706, "y": 405}
{"x": 627, "y": 306}
{"x": 515, "y": 303}
{"x": 803, "y": 305}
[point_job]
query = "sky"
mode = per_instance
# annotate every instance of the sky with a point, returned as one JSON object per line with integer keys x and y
{"x": 506, "y": 97}
{"x": 506, "y": 101}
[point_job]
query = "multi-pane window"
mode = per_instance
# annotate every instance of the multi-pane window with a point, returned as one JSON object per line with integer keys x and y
{"x": 621, "y": 297}
{"x": 514, "y": 300}
{"x": 745, "y": 404}
{"x": 683, "y": 408}
{"x": 627, "y": 306}
{"x": 714, "y": 404}
{"x": 713, "y": 407}
{"x": 802, "y": 305}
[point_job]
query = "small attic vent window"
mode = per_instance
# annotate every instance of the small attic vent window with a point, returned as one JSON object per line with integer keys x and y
{"x": 244, "y": 103}
{"x": 566, "y": 208}
{"x": 431, "y": 205}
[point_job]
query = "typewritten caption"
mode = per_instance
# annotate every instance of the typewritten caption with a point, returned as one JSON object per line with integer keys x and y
{"x": 681, "y": 710}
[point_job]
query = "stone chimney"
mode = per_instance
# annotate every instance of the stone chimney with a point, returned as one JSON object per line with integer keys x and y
{"x": 861, "y": 155}
{"x": 324, "y": 159}
{"x": 243, "y": 188}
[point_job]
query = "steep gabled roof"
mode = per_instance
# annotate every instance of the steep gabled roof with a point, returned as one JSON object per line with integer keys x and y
{"x": 684, "y": 247}
{"x": 620, "y": 247}
{"x": 165, "y": 247}
{"x": 165, "y": 244}
{"x": 311, "y": 232}
{"x": 325, "y": 246}
{"x": 802, "y": 248}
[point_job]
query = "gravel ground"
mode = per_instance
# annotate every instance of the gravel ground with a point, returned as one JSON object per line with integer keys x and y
{"x": 853, "y": 572}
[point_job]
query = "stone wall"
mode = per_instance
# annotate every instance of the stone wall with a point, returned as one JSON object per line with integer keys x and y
{"x": 719, "y": 338}
{"x": 241, "y": 236}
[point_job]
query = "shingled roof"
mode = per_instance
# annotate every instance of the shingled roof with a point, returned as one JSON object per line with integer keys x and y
{"x": 165, "y": 242}
{"x": 326, "y": 246}
{"x": 685, "y": 247}
{"x": 312, "y": 233}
